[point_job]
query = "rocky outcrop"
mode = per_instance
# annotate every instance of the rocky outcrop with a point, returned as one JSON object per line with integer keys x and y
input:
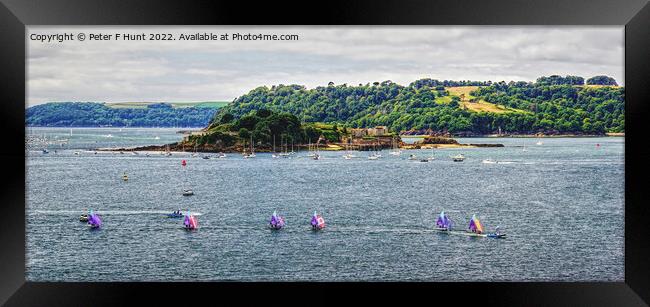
{"x": 438, "y": 140}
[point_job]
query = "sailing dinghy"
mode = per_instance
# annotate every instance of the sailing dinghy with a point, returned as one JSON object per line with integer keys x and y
{"x": 475, "y": 229}
{"x": 276, "y": 222}
{"x": 190, "y": 221}
{"x": 317, "y": 222}
{"x": 444, "y": 223}
{"x": 94, "y": 221}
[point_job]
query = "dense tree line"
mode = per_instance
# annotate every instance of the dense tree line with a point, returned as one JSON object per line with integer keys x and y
{"x": 552, "y": 105}
{"x": 558, "y": 80}
{"x": 562, "y": 108}
{"x": 601, "y": 80}
{"x": 263, "y": 127}
{"x": 446, "y": 83}
{"x": 91, "y": 114}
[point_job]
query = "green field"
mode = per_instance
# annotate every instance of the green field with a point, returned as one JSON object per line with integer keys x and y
{"x": 179, "y": 104}
{"x": 480, "y": 105}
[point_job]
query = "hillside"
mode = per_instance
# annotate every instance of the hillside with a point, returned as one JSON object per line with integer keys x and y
{"x": 93, "y": 114}
{"x": 551, "y": 105}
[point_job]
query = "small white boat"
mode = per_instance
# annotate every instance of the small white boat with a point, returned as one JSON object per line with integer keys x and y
{"x": 221, "y": 155}
{"x": 489, "y": 161}
{"x": 373, "y": 157}
{"x": 316, "y": 157}
{"x": 539, "y": 143}
{"x": 347, "y": 156}
{"x": 125, "y": 177}
{"x": 77, "y": 153}
{"x": 458, "y": 158}
{"x": 188, "y": 192}
{"x": 413, "y": 157}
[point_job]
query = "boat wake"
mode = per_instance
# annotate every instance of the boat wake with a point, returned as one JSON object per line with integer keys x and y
{"x": 108, "y": 212}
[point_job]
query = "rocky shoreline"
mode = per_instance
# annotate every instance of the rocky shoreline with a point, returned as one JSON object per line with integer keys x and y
{"x": 468, "y": 134}
{"x": 428, "y": 142}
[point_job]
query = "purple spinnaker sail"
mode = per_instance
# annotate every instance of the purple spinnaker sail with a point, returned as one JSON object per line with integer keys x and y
{"x": 443, "y": 221}
{"x": 94, "y": 220}
{"x": 276, "y": 222}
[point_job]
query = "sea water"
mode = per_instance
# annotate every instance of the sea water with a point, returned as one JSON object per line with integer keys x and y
{"x": 561, "y": 204}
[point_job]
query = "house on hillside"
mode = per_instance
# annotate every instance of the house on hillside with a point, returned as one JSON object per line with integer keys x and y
{"x": 378, "y": 131}
{"x": 358, "y": 132}
{"x": 362, "y": 132}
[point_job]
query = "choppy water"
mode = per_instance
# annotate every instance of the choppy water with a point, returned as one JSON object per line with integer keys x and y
{"x": 561, "y": 204}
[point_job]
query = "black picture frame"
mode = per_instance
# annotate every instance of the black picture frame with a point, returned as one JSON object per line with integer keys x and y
{"x": 16, "y": 14}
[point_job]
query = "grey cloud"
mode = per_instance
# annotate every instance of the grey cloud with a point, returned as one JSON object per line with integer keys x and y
{"x": 193, "y": 71}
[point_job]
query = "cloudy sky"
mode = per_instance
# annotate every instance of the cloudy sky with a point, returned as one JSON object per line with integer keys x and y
{"x": 114, "y": 71}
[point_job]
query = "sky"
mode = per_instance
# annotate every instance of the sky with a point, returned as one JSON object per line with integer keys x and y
{"x": 174, "y": 71}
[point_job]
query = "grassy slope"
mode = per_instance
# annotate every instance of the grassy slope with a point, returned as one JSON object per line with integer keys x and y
{"x": 481, "y": 105}
{"x": 141, "y": 105}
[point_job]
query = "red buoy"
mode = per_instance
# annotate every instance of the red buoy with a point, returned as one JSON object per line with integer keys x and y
{"x": 183, "y": 163}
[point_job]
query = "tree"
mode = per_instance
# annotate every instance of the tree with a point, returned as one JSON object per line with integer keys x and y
{"x": 244, "y": 133}
{"x": 602, "y": 80}
{"x": 226, "y": 118}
